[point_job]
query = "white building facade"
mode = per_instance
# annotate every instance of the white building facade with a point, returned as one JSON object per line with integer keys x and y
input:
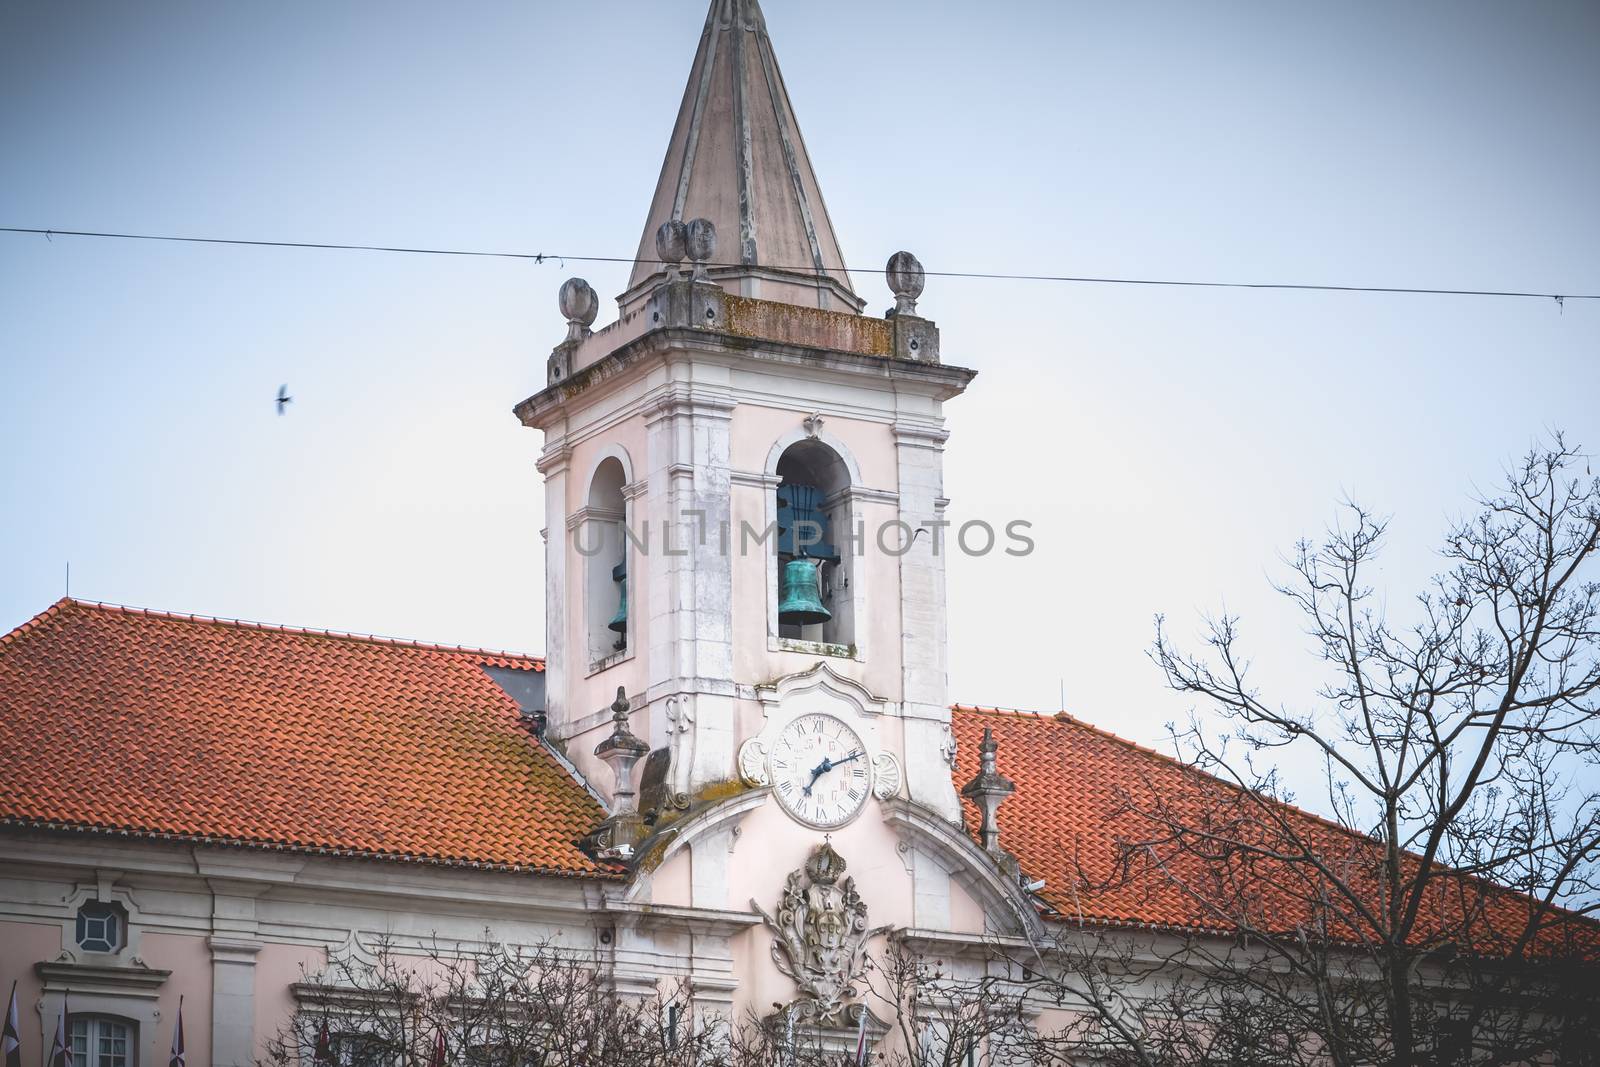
{"x": 730, "y": 703}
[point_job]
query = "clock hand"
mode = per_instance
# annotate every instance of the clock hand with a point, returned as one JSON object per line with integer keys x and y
{"x": 827, "y": 765}
{"x": 816, "y": 772}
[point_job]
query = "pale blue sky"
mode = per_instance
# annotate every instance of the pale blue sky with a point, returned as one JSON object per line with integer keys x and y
{"x": 1167, "y": 444}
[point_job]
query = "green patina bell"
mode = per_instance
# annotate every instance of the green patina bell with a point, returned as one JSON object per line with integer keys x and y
{"x": 801, "y": 601}
{"x": 619, "y": 621}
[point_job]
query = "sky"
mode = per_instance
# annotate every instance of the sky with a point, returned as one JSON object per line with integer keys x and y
{"x": 1168, "y": 445}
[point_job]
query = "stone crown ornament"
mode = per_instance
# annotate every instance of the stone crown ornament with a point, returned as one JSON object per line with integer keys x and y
{"x": 820, "y": 935}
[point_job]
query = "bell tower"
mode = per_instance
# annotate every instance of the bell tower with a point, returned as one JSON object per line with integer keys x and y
{"x": 743, "y": 486}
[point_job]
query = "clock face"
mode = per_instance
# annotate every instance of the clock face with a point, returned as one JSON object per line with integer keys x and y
{"x": 820, "y": 771}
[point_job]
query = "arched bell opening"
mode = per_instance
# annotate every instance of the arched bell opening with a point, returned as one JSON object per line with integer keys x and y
{"x": 814, "y": 574}
{"x": 604, "y": 546}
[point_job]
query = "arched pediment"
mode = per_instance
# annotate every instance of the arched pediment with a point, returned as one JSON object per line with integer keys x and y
{"x": 974, "y": 870}
{"x": 715, "y": 821}
{"x": 821, "y": 677}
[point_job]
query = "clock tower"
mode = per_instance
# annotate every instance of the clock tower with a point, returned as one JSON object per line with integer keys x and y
{"x": 745, "y": 579}
{"x": 743, "y": 487}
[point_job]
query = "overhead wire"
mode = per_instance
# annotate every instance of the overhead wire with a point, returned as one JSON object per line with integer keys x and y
{"x": 545, "y": 257}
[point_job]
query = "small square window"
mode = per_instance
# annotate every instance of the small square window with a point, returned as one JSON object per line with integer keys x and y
{"x": 101, "y": 928}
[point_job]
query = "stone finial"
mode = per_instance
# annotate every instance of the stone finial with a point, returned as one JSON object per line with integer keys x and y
{"x": 988, "y": 789}
{"x": 621, "y": 750}
{"x": 700, "y": 243}
{"x": 672, "y": 245}
{"x": 906, "y": 279}
{"x": 580, "y": 304}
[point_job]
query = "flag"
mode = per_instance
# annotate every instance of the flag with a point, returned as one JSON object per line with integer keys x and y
{"x": 861, "y": 1039}
{"x": 324, "y": 1052}
{"x": 61, "y": 1051}
{"x": 438, "y": 1051}
{"x": 11, "y": 1036}
{"x": 177, "y": 1059}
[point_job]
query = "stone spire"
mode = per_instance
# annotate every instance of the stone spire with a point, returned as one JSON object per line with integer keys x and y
{"x": 736, "y": 157}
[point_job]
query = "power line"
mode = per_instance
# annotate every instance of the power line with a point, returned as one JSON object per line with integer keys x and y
{"x": 544, "y": 257}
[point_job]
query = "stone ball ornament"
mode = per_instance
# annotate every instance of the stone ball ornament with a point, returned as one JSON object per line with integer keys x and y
{"x": 580, "y": 304}
{"x": 906, "y": 279}
{"x": 672, "y": 241}
{"x": 700, "y": 243}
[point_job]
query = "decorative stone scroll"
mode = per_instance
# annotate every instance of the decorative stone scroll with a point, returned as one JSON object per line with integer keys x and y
{"x": 820, "y": 935}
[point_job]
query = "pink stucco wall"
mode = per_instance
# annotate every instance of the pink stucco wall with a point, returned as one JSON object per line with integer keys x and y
{"x": 277, "y": 968}
{"x": 21, "y": 945}
{"x": 189, "y": 960}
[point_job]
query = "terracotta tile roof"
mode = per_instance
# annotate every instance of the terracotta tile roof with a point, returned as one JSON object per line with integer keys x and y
{"x": 185, "y": 727}
{"x": 1074, "y": 785}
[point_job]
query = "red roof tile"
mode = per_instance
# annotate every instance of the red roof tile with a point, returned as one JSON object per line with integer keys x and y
{"x": 132, "y": 721}
{"x": 1071, "y": 813}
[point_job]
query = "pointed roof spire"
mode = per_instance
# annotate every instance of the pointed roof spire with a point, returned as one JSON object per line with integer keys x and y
{"x": 736, "y": 157}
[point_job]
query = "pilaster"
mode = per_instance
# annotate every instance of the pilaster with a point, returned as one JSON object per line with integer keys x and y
{"x": 688, "y": 504}
{"x": 920, "y": 455}
{"x": 233, "y": 946}
{"x": 554, "y": 465}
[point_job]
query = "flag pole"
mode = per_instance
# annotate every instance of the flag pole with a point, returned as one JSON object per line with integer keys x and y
{"x": 179, "y": 1054}
{"x": 11, "y": 1036}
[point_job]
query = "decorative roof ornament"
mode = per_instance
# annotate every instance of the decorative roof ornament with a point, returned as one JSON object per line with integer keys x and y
{"x": 820, "y": 935}
{"x": 906, "y": 279}
{"x": 672, "y": 245}
{"x": 988, "y": 789}
{"x": 700, "y": 243}
{"x": 580, "y": 304}
{"x": 623, "y": 829}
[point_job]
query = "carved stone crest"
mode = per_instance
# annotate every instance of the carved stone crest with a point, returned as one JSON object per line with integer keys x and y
{"x": 820, "y": 935}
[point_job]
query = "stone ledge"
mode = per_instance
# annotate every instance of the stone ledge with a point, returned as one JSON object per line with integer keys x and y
{"x": 838, "y": 331}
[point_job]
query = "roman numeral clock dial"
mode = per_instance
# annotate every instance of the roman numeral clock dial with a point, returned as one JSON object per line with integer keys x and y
{"x": 820, "y": 771}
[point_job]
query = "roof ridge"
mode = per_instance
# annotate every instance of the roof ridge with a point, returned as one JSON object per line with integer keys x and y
{"x": 268, "y": 627}
{"x": 16, "y": 632}
{"x": 1068, "y": 717}
{"x": 993, "y": 709}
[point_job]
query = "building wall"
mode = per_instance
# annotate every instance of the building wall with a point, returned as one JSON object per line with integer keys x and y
{"x": 237, "y": 929}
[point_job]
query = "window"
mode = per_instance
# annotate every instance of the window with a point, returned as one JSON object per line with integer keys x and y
{"x": 814, "y": 575}
{"x": 603, "y": 548}
{"x": 101, "y": 1042}
{"x": 361, "y": 1050}
{"x": 494, "y": 1054}
{"x": 101, "y": 927}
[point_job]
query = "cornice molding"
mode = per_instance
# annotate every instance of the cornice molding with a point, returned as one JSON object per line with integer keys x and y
{"x": 81, "y": 978}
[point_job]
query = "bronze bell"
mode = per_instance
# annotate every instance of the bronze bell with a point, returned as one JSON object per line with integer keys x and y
{"x": 619, "y": 621}
{"x": 800, "y": 594}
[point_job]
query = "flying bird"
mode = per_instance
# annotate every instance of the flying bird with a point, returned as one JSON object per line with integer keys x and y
{"x": 284, "y": 399}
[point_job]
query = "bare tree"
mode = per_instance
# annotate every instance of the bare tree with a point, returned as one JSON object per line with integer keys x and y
{"x": 943, "y": 1017}
{"x": 492, "y": 1005}
{"x": 1445, "y": 912}
{"x": 495, "y": 1005}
